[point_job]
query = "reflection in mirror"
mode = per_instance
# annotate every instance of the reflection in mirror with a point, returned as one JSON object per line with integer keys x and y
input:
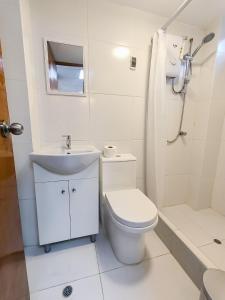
{"x": 65, "y": 68}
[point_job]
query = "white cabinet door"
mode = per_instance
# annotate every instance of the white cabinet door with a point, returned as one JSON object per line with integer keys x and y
{"x": 84, "y": 207}
{"x": 53, "y": 211}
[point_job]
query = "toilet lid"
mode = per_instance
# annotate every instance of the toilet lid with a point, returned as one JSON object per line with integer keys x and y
{"x": 132, "y": 208}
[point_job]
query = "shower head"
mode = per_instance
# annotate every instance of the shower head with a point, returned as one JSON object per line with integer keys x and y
{"x": 208, "y": 38}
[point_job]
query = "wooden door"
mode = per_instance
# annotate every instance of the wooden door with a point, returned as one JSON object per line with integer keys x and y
{"x": 13, "y": 276}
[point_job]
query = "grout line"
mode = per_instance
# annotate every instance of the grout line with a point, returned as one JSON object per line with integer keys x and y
{"x": 142, "y": 98}
{"x": 99, "y": 272}
{"x": 206, "y": 244}
{"x": 63, "y": 283}
{"x": 145, "y": 259}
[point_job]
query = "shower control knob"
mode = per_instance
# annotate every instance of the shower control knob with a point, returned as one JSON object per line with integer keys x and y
{"x": 14, "y": 128}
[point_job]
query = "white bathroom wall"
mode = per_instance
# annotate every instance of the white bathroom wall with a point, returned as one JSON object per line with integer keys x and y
{"x": 116, "y": 93}
{"x": 191, "y": 161}
{"x": 202, "y": 152}
{"x": 16, "y": 84}
{"x": 114, "y": 109}
{"x": 218, "y": 195}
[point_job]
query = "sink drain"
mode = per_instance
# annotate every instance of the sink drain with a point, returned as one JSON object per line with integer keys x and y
{"x": 217, "y": 241}
{"x": 67, "y": 291}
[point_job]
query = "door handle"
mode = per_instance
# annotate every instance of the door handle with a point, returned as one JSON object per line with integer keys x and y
{"x": 14, "y": 128}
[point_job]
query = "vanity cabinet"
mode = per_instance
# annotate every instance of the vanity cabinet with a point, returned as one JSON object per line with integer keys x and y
{"x": 67, "y": 206}
{"x": 53, "y": 211}
{"x": 83, "y": 206}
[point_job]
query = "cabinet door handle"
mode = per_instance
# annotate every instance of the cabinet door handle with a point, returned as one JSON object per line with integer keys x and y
{"x": 74, "y": 190}
{"x": 63, "y": 192}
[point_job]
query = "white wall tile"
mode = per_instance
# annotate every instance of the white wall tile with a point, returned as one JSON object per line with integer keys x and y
{"x": 110, "y": 74}
{"x": 68, "y": 115}
{"x": 218, "y": 202}
{"x": 139, "y": 113}
{"x": 201, "y": 112}
{"x": 29, "y": 221}
{"x": 220, "y": 172}
{"x": 19, "y": 106}
{"x": 196, "y": 156}
{"x": 138, "y": 150}
{"x": 177, "y": 157}
{"x": 110, "y": 117}
{"x": 141, "y": 184}
{"x": 11, "y": 40}
{"x": 115, "y": 23}
{"x": 47, "y": 16}
{"x": 176, "y": 189}
{"x": 218, "y": 92}
{"x": 24, "y": 171}
{"x": 216, "y": 118}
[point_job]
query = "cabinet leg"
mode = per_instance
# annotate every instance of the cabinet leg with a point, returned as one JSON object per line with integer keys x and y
{"x": 47, "y": 248}
{"x": 93, "y": 238}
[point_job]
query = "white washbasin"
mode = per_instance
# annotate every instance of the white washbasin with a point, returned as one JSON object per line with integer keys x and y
{"x": 63, "y": 161}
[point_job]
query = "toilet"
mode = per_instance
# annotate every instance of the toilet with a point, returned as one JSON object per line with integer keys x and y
{"x": 126, "y": 213}
{"x": 213, "y": 287}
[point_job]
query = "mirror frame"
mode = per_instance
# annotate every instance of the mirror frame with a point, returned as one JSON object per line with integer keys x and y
{"x": 46, "y": 65}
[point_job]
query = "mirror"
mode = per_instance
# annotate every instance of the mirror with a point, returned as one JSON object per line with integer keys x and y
{"x": 64, "y": 68}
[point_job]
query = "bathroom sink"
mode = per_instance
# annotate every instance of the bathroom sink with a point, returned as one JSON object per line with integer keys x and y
{"x": 65, "y": 161}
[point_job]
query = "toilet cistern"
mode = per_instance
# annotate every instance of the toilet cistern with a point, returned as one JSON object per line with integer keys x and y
{"x": 68, "y": 141}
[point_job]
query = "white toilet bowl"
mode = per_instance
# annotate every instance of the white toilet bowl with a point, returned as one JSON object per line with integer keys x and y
{"x": 127, "y": 216}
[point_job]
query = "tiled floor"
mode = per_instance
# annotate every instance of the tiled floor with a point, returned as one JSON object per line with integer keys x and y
{"x": 94, "y": 273}
{"x": 201, "y": 227}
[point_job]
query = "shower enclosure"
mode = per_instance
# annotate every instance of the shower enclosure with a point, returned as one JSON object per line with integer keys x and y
{"x": 185, "y": 157}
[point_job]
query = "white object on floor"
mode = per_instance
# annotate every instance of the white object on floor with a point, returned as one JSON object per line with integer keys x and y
{"x": 213, "y": 285}
{"x": 126, "y": 212}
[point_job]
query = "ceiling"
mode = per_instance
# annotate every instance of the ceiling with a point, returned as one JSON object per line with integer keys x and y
{"x": 198, "y": 12}
{"x": 67, "y": 53}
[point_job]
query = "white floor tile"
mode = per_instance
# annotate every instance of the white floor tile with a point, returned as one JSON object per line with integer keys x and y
{"x": 195, "y": 234}
{"x": 67, "y": 262}
{"x": 215, "y": 253}
{"x": 212, "y": 222}
{"x": 201, "y": 226}
{"x": 156, "y": 279}
{"x": 154, "y": 246}
{"x": 84, "y": 289}
{"x": 175, "y": 215}
{"x": 107, "y": 260}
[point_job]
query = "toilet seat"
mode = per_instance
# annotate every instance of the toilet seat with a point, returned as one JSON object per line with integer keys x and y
{"x": 131, "y": 208}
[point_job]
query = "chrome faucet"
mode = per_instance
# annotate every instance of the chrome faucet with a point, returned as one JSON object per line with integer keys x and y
{"x": 68, "y": 141}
